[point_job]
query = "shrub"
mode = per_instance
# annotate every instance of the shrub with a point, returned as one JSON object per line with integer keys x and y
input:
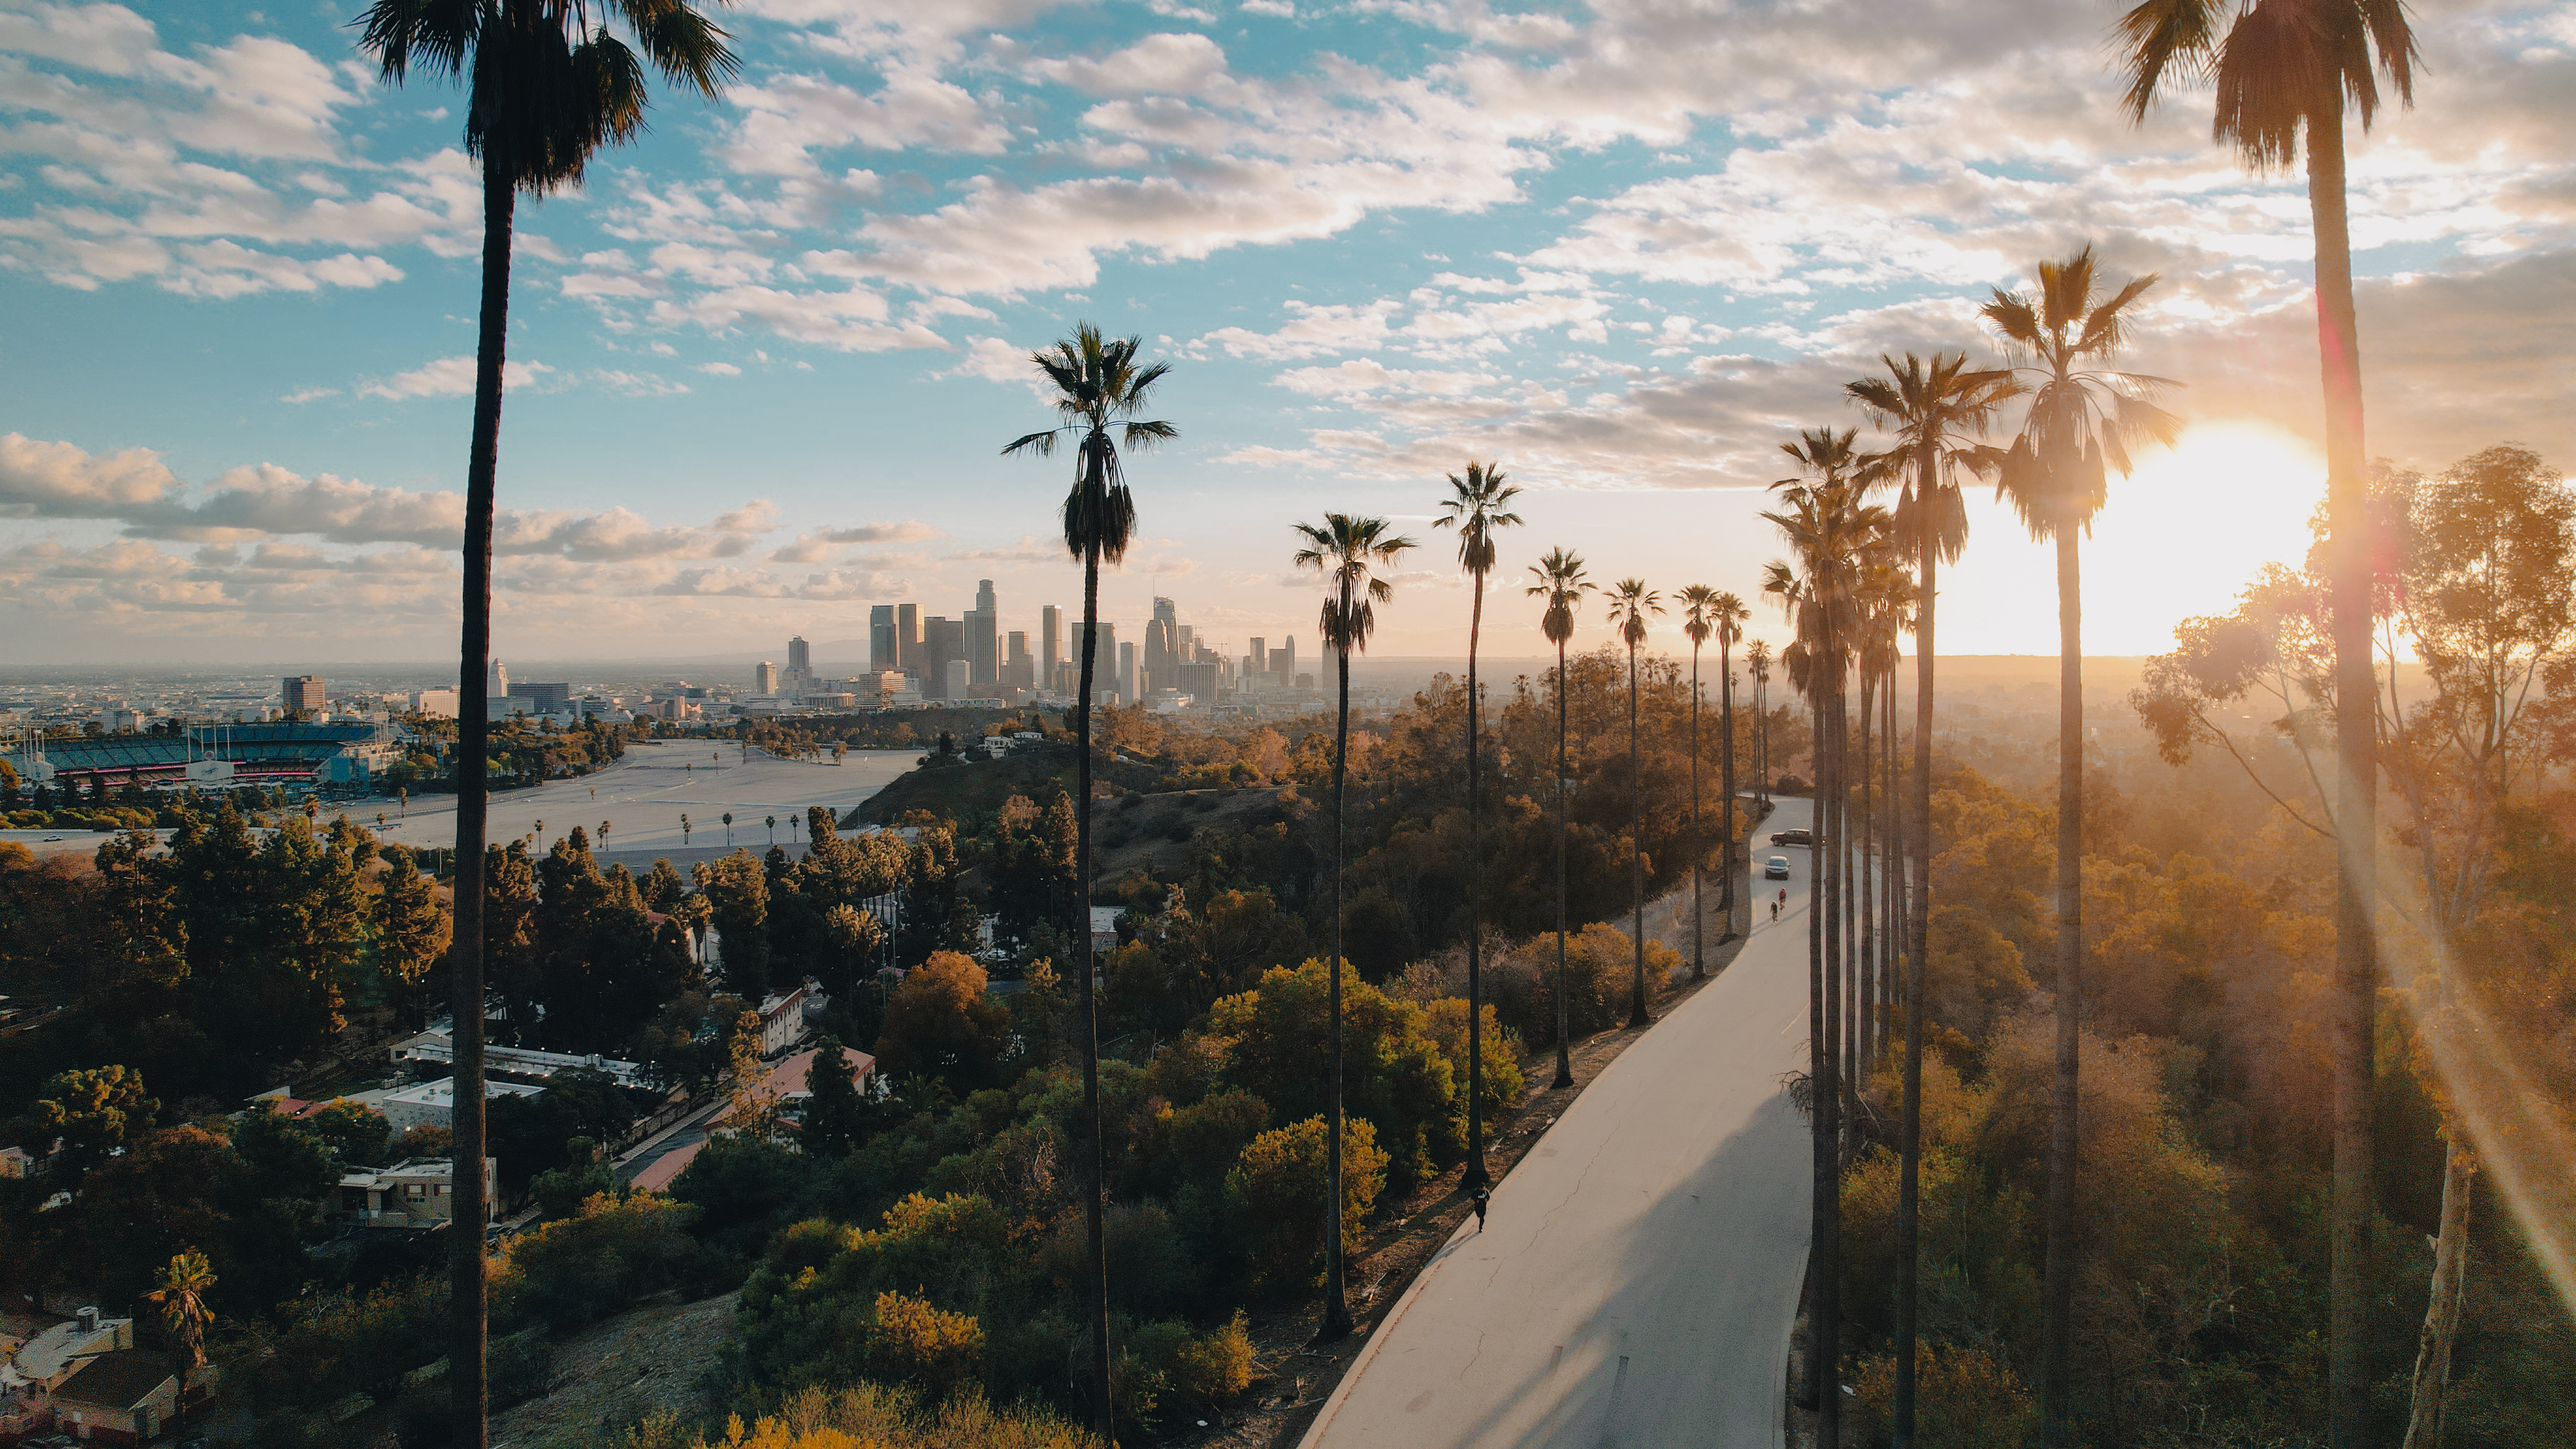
{"x": 1276, "y": 1193}
{"x": 913, "y": 1342}
{"x": 1965, "y": 1398}
{"x": 1218, "y": 1364}
{"x": 569, "y": 1272}
{"x": 880, "y": 1416}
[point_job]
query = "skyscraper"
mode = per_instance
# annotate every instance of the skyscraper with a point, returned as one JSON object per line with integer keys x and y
{"x": 1283, "y": 660}
{"x": 1017, "y": 668}
{"x": 764, "y": 678}
{"x": 301, "y": 693}
{"x": 882, "y": 653}
{"x": 1127, "y": 673}
{"x": 1256, "y": 662}
{"x": 498, "y": 684}
{"x": 1104, "y": 659}
{"x": 907, "y": 638}
{"x": 1050, "y": 643}
{"x": 942, "y": 640}
{"x": 981, "y": 637}
{"x": 800, "y": 658}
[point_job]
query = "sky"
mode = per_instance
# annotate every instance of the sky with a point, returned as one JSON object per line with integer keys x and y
{"x": 763, "y": 361}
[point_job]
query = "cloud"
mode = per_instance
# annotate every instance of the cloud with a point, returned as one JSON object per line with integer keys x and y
{"x": 1167, "y": 64}
{"x": 448, "y": 377}
{"x": 59, "y": 480}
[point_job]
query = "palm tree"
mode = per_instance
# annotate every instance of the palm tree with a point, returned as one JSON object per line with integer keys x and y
{"x": 772, "y": 823}
{"x": 1830, "y": 529}
{"x": 1562, "y": 585}
{"x": 684, "y": 830}
{"x": 1477, "y": 505}
{"x": 1101, "y": 394}
{"x": 2282, "y": 66}
{"x": 1698, "y": 619}
{"x": 1936, "y": 411}
{"x": 548, "y": 85}
{"x": 728, "y": 825}
{"x": 1757, "y": 660}
{"x": 2078, "y": 429}
{"x": 1352, "y": 554}
{"x": 1727, "y": 613}
{"x": 184, "y": 1283}
{"x": 1630, "y": 602}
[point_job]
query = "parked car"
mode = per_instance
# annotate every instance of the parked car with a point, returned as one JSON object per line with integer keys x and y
{"x": 1793, "y": 837}
{"x": 1777, "y": 868}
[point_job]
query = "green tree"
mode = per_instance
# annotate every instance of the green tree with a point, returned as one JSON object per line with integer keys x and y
{"x": 834, "y": 1114}
{"x": 1274, "y": 1189}
{"x": 93, "y": 1112}
{"x": 1630, "y": 602}
{"x": 737, "y": 893}
{"x": 2283, "y": 67}
{"x": 411, "y": 935}
{"x": 1353, "y": 554}
{"x": 1560, "y": 582}
{"x": 1726, "y": 615}
{"x": 2080, "y": 424}
{"x": 942, "y": 1020}
{"x": 1937, "y": 412}
{"x": 1478, "y": 504}
{"x": 184, "y": 1284}
{"x": 1699, "y": 620}
{"x": 1101, "y": 393}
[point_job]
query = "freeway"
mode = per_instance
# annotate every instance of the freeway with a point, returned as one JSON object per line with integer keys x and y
{"x": 1638, "y": 1275}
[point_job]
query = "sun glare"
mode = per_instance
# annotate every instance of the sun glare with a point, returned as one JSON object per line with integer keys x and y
{"x": 2179, "y": 538}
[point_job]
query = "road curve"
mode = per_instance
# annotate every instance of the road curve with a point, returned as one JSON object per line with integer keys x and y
{"x": 1638, "y": 1273}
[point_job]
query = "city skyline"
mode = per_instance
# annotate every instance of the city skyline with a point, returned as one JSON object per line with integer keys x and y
{"x": 1622, "y": 279}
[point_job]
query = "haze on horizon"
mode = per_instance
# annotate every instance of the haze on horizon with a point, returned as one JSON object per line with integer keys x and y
{"x": 764, "y": 362}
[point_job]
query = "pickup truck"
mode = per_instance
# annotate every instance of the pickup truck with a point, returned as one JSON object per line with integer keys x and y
{"x": 1793, "y": 837}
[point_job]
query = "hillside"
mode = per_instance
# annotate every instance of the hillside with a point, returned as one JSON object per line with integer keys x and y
{"x": 1153, "y": 831}
{"x": 966, "y": 789}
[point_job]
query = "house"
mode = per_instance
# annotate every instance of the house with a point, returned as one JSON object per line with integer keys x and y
{"x": 411, "y": 1194}
{"x": 126, "y": 1397}
{"x": 788, "y": 1080}
{"x": 44, "y": 1362}
{"x": 1104, "y": 929}
{"x": 782, "y": 1021}
{"x": 14, "y": 1162}
{"x": 433, "y": 1104}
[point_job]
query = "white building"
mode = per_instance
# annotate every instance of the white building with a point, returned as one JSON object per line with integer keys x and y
{"x": 433, "y": 1104}
{"x": 412, "y": 1194}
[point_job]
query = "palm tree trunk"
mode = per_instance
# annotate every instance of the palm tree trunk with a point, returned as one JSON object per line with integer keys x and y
{"x": 1918, "y": 931}
{"x": 1475, "y": 1176}
{"x": 1864, "y": 996}
{"x": 1564, "y": 1051}
{"x": 2450, "y": 1290}
{"x": 1699, "y": 966}
{"x": 1891, "y": 860}
{"x": 1726, "y": 782}
{"x": 1096, "y": 1265}
{"x": 1636, "y": 851}
{"x": 1337, "y": 1308}
{"x": 1829, "y": 1095}
{"x": 1846, "y": 865}
{"x": 469, "y": 1315}
{"x": 2058, "y": 1275}
{"x": 2357, "y": 783}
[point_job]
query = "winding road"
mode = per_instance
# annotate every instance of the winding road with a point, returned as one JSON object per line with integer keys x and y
{"x": 1638, "y": 1274}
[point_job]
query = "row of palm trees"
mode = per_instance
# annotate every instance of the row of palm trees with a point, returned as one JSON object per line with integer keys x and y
{"x": 550, "y": 84}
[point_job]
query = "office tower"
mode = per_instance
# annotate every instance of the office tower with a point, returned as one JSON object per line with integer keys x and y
{"x": 764, "y": 678}
{"x": 1127, "y": 674}
{"x": 1185, "y": 644}
{"x": 1256, "y": 662}
{"x": 300, "y": 693}
{"x": 942, "y": 640}
{"x": 1050, "y": 642}
{"x": 907, "y": 638}
{"x": 1104, "y": 660}
{"x": 882, "y": 654}
{"x": 547, "y": 698}
{"x": 1016, "y": 666}
{"x": 957, "y": 678}
{"x": 497, "y": 682}
{"x": 1283, "y": 660}
{"x": 1198, "y": 681}
{"x": 800, "y": 656}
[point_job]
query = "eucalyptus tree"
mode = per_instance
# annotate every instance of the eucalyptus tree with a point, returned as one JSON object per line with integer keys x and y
{"x": 1727, "y": 613}
{"x": 2281, "y": 68}
{"x": 1354, "y": 555}
{"x": 1561, "y": 585}
{"x": 1939, "y": 412}
{"x": 1101, "y": 396}
{"x": 1698, "y": 620}
{"x": 1630, "y": 604}
{"x": 2079, "y": 425}
{"x": 1477, "y": 505}
{"x": 547, "y": 86}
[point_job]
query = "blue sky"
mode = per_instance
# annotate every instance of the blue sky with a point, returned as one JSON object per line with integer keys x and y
{"x": 766, "y": 357}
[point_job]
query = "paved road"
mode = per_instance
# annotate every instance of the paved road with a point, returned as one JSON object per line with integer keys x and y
{"x": 1637, "y": 1279}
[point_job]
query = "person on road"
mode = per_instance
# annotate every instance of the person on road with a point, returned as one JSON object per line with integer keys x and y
{"x": 1479, "y": 1200}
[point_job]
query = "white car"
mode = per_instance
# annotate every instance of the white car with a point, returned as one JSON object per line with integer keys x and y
{"x": 1776, "y": 868}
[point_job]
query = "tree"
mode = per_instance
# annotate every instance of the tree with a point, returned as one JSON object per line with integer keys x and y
{"x": 834, "y": 1114}
{"x": 1757, "y": 662}
{"x": 737, "y": 891}
{"x": 1560, "y": 582}
{"x": 1100, "y": 391}
{"x": 2282, "y": 66}
{"x": 185, "y": 1282}
{"x": 1477, "y": 505}
{"x": 1630, "y": 602}
{"x": 1699, "y": 603}
{"x": 1727, "y": 614}
{"x": 1352, "y": 554}
{"x": 942, "y": 1021}
{"x": 2079, "y": 427}
{"x": 92, "y": 1112}
{"x": 411, "y": 935}
{"x": 546, "y": 90}
{"x": 1937, "y": 411}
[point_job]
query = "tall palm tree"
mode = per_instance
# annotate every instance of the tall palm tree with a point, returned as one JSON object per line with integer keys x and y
{"x": 1829, "y": 527}
{"x": 1698, "y": 620}
{"x": 2077, "y": 431}
{"x": 2282, "y": 66}
{"x": 1101, "y": 394}
{"x": 1938, "y": 411}
{"x": 1727, "y": 613}
{"x": 1477, "y": 505}
{"x": 1757, "y": 661}
{"x": 1630, "y": 602}
{"x": 184, "y": 1283}
{"x": 1560, "y": 582}
{"x": 1353, "y": 555}
{"x": 547, "y": 86}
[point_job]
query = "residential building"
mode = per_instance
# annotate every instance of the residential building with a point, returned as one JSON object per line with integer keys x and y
{"x": 46, "y": 1361}
{"x": 416, "y": 1193}
{"x": 782, "y": 1021}
{"x": 433, "y": 1104}
{"x": 126, "y": 1397}
{"x": 301, "y": 694}
{"x": 882, "y": 653}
